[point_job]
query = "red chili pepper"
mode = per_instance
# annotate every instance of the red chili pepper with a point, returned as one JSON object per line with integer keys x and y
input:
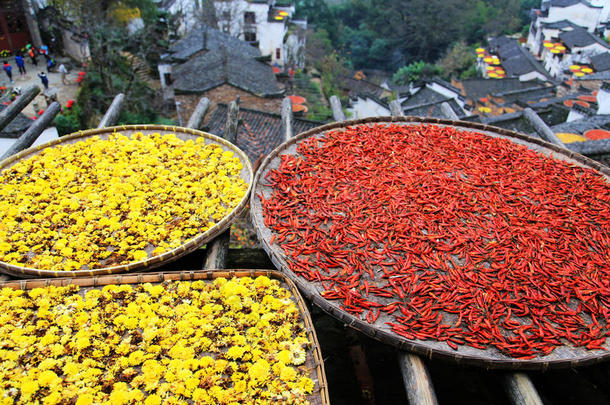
{"x": 454, "y": 235}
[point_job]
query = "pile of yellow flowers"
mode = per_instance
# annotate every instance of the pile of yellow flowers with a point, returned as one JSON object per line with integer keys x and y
{"x": 232, "y": 341}
{"x": 98, "y": 203}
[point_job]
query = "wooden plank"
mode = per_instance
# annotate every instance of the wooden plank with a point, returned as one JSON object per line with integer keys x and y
{"x": 541, "y": 128}
{"x": 395, "y": 108}
{"x": 113, "y": 112}
{"x": 287, "y": 128}
{"x": 197, "y": 117}
{"x": 417, "y": 380}
{"x": 217, "y": 249}
{"x": 335, "y": 105}
{"x": 10, "y": 112}
{"x": 33, "y": 132}
{"x": 448, "y": 111}
{"x": 521, "y": 390}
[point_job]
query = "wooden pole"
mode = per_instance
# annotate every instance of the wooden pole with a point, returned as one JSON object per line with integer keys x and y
{"x": 417, "y": 380}
{"x": 448, "y": 111}
{"x": 199, "y": 113}
{"x": 541, "y": 128}
{"x": 218, "y": 248}
{"x": 335, "y": 105}
{"x": 521, "y": 390}
{"x": 395, "y": 108}
{"x": 113, "y": 112}
{"x": 10, "y": 112}
{"x": 287, "y": 119}
{"x": 33, "y": 132}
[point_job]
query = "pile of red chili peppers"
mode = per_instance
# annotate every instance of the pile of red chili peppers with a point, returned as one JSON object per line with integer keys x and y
{"x": 451, "y": 235}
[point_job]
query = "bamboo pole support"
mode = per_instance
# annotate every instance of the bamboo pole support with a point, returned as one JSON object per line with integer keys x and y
{"x": 10, "y": 112}
{"x": 197, "y": 117}
{"x": 521, "y": 390}
{"x": 335, "y": 105}
{"x": 541, "y": 128}
{"x": 287, "y": 128}
{"x": 33, "y": 132}
{"x": 113, "y": 112}
{"x": 218, "y": 248}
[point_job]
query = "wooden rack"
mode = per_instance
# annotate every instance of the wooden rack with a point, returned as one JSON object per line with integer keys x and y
{"x": 519, "y": 388}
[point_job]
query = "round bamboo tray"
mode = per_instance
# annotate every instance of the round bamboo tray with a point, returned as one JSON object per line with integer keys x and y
{"x": 563, "y": 356}
{"x": 155, "y": 261}
{"x": 314, "y": 362}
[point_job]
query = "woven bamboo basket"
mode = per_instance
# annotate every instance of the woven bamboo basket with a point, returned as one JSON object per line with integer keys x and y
{"x": 314, "y": 362}
{"x": 563, "y": 356}
{"x": 155, "y": 261}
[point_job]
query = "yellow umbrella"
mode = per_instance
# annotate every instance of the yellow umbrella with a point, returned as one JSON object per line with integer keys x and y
{"x": 555, "y": 50}
{"x": 548, "y": 45}
{"x": 480, "y": 50}
{"x": 568, "y": 137}
{"x": 488, "y": 60}
{"x": 574, "y": 67}
{"x": 579, "y": 74}
{"x": 283, "y": 13}
{"x": 490, "y": 68}
{"x": 492, "y": 75}
{"x": 560, "y": 47}
{"x": 587, "y": 70}
{"x": 279, "y": 17}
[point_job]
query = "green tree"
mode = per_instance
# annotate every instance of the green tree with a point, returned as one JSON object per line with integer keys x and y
{"x": 457, "y": 59}
{"x": 415, "y": 71}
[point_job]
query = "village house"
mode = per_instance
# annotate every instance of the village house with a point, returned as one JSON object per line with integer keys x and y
{"x": 425, "y": 98}
{"x": 214, "y": 64}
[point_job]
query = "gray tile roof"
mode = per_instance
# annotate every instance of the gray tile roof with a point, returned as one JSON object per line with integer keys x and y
{"x": 601, "y": 62}
{"x": 259, "y": 132}
{"x": 365, "y": 88}
{"x": 560, "y": 25}
{"x": 193, "y": 43}
{"x": 214, "y": 68}
{"x": 16, "y": 127}
{"x": 605, "y": 75}
{"x": 568, "y": 3}
{"x": 527, "y": 94}
{"x": 599, "y": 121}
{"x": 433, "y": 109}
{"x": 424, "y": 96}
{"x": 477, "y": 88}
{"x": 580, "y": 37}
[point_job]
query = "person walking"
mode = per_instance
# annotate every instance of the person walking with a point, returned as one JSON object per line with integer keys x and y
{"x": 32, "y": 54}
{"x": 20, "y": 64}
{"x": 62, "y": 69}
{"x": 9, "y": 70}
{"x": 44, "y": 79}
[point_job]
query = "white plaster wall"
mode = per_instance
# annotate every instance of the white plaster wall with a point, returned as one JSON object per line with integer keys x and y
{"x": 446, "y": 92}
{"x": 574, "y": 115}
{"x": 603, "y": 102}
{"x": 365, "y": 107}
{"x": 272, "y": 37}
{"x": 531, "y": 76}
{"x": 579, "y": 14}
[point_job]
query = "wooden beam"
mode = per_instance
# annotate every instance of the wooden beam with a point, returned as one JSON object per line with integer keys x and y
{"x": 395, "y": 108}
{"x": 417, "y": 380}
{"x": 217, "y": 249}
{"x": 287, "y": 128}
{"x": 13, "y": 109}
{"x": 33, "y": 132}
{"x": 197, "y": 117}
{"x": 448, "y": 111}
{"x": 541, "y": 128}
{"x": 335, "y": 105}
{"x": 521, "y": 390}
{"x": 113, "y": 112}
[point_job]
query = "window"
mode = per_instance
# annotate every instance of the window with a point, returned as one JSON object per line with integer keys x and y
{"x": 226, "y": 28}
{"x": 226, "y": 15}
{"x": 250, "y": 36}
{"x": 249, "y": 17}
{"x": 277, "y": 53}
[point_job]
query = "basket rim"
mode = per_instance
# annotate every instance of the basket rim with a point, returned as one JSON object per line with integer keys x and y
{"x": 192, "y": 275}
{"x": 385, "y": 336}
{"x": 150, "y": 262}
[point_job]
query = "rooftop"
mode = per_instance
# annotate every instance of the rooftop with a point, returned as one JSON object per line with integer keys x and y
{"x": 433, "y": 109}
{"x": 474, "y": 89}
{"x": 579, "y": 38}
{"x": 601, "y": 62}
{"x": 569, "y": 3}
{"x": 206, "y": 38}
{"x": 16, "y": 127}
{"x": 214, "y": 68}
{"x": 259, "y": 132}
